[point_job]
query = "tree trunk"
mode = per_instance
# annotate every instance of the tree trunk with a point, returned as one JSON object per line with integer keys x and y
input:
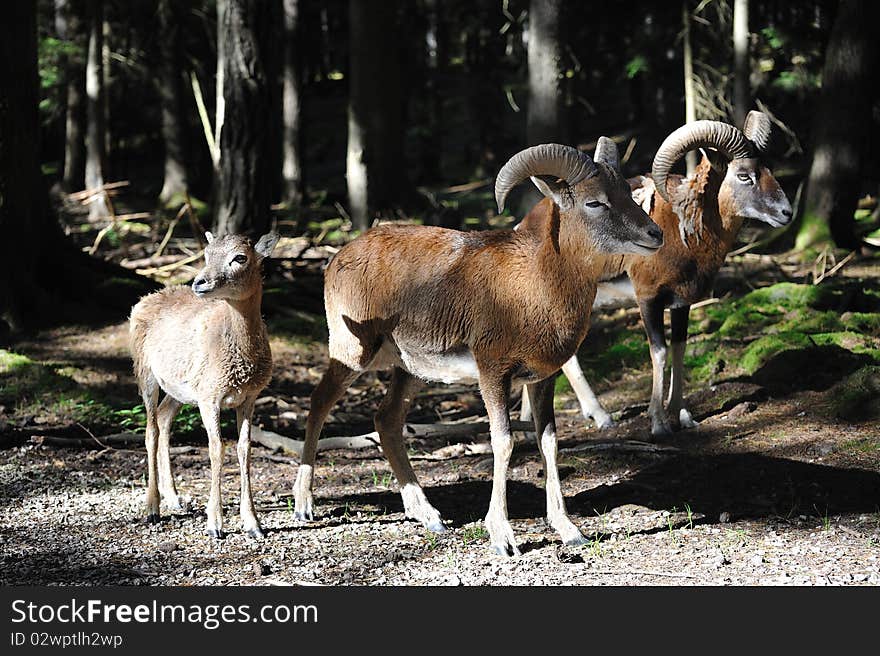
{"x": 291, "y": 168}
{"x": 71, "y": 13}
{"x": 841, "y": 128}
{"x": 742, "y": 100}
{"x": 169, "y": 88}
{"x": 244, "y": 190}
{"x": 690, "y": 103}
{"x": 43, "y": 278}
{"x": 95, "y": 118}
{"x": 375, "y": 168}
{"x": 543, "y": 116}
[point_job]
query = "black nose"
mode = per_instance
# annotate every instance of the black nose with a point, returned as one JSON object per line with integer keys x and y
{"x": 786, "y": 214}
{"x": 655, "y": 233}
{"x": 198, "y": 282}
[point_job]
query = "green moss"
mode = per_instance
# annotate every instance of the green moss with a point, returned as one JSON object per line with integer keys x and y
{"x": 787, "y": 295}
{"x": 805, "y": 320}
{"x": 23, "y": 379}
{"x": 856, "y": 396}
{"x": 630, "y": 349}
{"x": 851, "y": 341}
{"x": 764, "y": 348}
{"x": 862, "y": 322}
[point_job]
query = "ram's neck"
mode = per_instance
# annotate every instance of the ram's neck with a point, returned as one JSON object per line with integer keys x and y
{"x": 705, "y": 211}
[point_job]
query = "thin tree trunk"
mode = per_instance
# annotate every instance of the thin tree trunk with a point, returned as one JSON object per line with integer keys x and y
{"x": 375, "y": 169}
{"x": 245, "y": 163}
{"x": 543, "y": 116}
{"x": 75, "y": 106}
{"x": 690, "y": 103}
{"x": 95, "y": 119}
{"x": 291, "y": 168}
{"x": 841, "y": 127}
{"x": 169, "y": 88}
{"x": 742, "y": 100}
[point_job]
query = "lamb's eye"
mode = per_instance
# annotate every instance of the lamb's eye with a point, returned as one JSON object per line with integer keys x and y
{"x": 744, "y": 177}
{"x": 240, "y": 259}
{"x": 595, "y": 204}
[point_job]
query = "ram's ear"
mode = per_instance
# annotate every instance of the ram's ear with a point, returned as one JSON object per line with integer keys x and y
{"x": 606, "y": 151}
{"x": 717, "y": 160}
{"x": 209, "y": 236}
{"x": 266, "y": 244}
{"x": 555, "y": 189}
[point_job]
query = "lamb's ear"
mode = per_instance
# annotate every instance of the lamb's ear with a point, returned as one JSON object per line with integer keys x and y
{"x": 554, "y": 188}
{"x": 266, "y": 244}
{"x": 209, "y": 236}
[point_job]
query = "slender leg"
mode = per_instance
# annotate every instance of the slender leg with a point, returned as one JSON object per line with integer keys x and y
{"x": 590, "y": 406}
{"x": 679, "y": 415}
{"x": 150, "y": 396}
{"x": 525, "y": 409}
{"x": 652, "y": 316}
{"x": 389, "y": 424}
{"x": 545, "y": 426}
{"x": 496, "y": 396}
{"x": 210, "y": 412}
{"x": 324, "y": 397}
{"x": 243, "y": 416}
{"x": 167, "y": 411}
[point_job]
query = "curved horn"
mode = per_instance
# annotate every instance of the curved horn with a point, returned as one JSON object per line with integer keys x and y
{"x": 606, "y": 151}
{"x": 563, "y": 162}
{"x": 757, "y": 128}
{"x": 724, "y": 138}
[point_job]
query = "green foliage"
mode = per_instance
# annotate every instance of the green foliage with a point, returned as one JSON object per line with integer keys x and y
{"x": 637, "y": 65}
{"x": 52, "y": 54}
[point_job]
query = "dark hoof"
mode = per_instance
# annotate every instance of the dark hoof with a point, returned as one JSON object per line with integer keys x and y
{"x": 215, "y": 533}
{"x": 256, "y": 533}
{"x": 152, "y": 518}
{"x": 436, "y": 527}
{"x": 303, "y": 516}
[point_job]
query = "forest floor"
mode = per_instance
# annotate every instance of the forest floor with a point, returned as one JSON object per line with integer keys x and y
{"x": 779, "y": 484}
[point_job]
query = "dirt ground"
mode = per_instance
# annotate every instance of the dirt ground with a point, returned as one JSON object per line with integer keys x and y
{"x": 769, "y": 489}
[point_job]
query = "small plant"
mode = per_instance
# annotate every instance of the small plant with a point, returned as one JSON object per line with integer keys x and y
{"x": 474, "y": 533}
{"x": 431, "y": 539}
{"x": 690, "y": 515}
{"x": 289, "y": 505}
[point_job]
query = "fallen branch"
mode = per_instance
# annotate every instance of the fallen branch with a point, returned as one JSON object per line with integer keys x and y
{"x": 288, "y": 445}
{"x": 170, "y": 267}
{"x": 633, "y": 446}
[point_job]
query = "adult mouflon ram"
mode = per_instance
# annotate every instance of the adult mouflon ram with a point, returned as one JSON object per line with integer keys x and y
{"x": 208, "y": 346}
{"x": 700, "y": 216}
{"x": 497, "y": 308}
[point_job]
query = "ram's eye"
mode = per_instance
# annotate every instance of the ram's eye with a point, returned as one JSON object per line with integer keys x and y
{"x": 595, "y": 204}
{"x": 240, "y": 259}
{"x": 744, "y": 177}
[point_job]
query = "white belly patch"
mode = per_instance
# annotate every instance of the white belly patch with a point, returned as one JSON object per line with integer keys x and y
{"x": 180, "y": 390}
{"x": 452, "y": 367}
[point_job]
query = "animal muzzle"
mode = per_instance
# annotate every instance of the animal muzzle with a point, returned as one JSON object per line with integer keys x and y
{"x": 202, "y": 286}
{"x": 652, "y": 238}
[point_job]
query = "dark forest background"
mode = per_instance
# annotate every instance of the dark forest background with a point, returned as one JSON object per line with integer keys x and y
{"x": 337, "y": 113}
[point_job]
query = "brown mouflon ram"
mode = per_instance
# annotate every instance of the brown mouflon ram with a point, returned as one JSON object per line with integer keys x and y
{"x": 208, "y": 346}
{"x": 443, "y": 305}
{"x": 701, "y": 217}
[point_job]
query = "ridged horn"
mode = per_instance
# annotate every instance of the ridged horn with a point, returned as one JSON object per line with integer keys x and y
{"x": 563, "y": 162}
{"x": 606, "y": 151}
{"x": 726, "y": 139}
{"x": 757, "y": 128}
